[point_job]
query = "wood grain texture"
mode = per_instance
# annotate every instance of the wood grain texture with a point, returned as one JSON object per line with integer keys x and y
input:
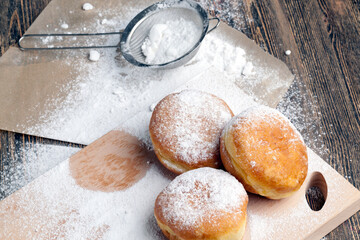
{"x": 16, "y": 16}
{"x": 324, "y": 38}
{"x": 13, "y": 162}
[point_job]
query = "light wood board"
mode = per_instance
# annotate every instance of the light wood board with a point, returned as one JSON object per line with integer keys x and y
{"x": 28, "y": 214}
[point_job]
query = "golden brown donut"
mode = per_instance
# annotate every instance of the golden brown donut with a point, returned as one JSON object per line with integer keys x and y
{"x": 185, "y": 130}
{"x": 204, "y": 203}
{"x": 265, "y": 152}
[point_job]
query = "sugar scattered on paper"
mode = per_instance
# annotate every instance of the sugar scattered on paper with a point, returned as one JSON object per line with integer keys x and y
{"x": 64, "y": 26}
{"x": 87, "y": 6}
{"x": 248, "y": 69}
{"x": 94, "y": 55}
{"x": 47, "y": 39}
{"x": 225, "y": 56}
{"x": 110, "y": 91}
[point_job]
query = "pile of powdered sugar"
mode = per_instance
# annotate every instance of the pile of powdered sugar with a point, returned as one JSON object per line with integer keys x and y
{"x": 170, "y": 40}
{"x": 226, "y": 57}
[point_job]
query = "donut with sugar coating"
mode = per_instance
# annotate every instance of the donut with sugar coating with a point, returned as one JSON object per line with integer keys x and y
{"x": 204, "y": 203}
{"x": 185, "y": 129}
{"x": 265, "y": 152}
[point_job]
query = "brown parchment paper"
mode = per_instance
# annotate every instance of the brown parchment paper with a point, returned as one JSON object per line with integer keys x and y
{"x": 30, "y": 80}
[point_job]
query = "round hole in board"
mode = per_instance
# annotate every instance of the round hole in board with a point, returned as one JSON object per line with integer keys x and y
{"x": 316, "y": 192}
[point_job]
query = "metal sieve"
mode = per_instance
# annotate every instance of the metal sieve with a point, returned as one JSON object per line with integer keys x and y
{"x": 139, "y": 27}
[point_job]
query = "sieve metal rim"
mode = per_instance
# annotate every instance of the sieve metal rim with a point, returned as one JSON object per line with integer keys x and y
{"x": 159, "y": 6}
{"x": 165, "y": 4}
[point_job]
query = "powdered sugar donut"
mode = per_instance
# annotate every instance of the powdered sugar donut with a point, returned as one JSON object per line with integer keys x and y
{"x": 204, "y": 203}
{"x": 265, "y": 152}
{"x": 185, "y": 130}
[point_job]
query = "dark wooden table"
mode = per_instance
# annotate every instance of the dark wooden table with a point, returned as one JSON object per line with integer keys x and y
{"x": 324, "y": 39}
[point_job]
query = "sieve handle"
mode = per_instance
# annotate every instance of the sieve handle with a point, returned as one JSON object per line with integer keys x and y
{"x": 217, "y": 24}
{"x": 66, "y": 35}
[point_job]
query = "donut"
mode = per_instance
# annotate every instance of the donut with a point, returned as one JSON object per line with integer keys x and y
{"x": 265, "y": 152}
{"x": 185, "y": 130}
{"x": 204, "y": 203}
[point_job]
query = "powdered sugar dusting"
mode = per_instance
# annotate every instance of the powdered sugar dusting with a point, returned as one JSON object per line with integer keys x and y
{"x": 29, "y": 163}
{"x": 252, "y": 163}
{"x": 259, "y": 223}
{"x": 87, "y": 6}
{"x": 48, "y": 209}
{"x": 225, "y": 56}
{"x": 191, "y": 122}
{"x": 261, "y": 113}
{"x": 169, "y": 41}
{"x": 105, "y": 93}
{"x": 196, "y": 194}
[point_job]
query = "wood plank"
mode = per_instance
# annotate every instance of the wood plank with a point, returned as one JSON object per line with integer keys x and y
{"x": 14, "y": 163}
{"x": 16, "y": 16}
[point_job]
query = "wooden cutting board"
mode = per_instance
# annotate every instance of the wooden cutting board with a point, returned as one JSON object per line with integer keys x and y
{"x": 107, "y": 191}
